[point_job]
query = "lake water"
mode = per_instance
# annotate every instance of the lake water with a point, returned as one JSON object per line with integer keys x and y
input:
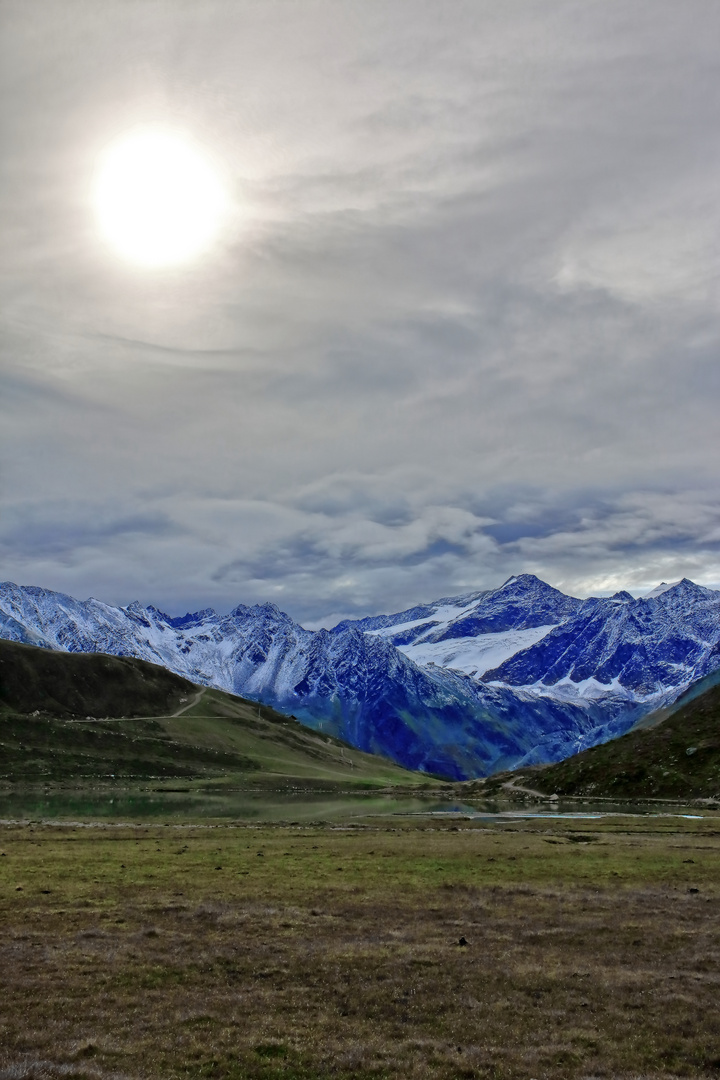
{"x": 184, "y": 805}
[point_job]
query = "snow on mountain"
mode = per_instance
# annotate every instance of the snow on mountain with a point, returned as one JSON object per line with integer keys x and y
{"x": 479, "y": 631}
{"x": 645, "y": 648}
{"x": 461, "y": 687}
{"x": 474, "y": 655}
{"x": 521, "y": 603}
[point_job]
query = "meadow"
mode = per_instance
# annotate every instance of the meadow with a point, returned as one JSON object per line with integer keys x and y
{"x": 390, "y": 947}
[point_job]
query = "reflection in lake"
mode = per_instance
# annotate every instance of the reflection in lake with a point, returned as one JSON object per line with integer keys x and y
{"x": 132, "y": 806}
{"x": 259, "y": 806}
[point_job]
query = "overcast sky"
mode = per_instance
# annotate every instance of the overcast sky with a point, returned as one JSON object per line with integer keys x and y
{"x": 462, "y": 321}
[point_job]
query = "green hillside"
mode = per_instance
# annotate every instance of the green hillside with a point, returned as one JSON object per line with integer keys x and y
{"x": 81, "y": 684}
{"x": 77, "y": 717}
{"x": 674, "y": 753}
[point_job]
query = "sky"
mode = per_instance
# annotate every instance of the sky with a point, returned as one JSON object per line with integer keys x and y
{"x": 461, "y": 320}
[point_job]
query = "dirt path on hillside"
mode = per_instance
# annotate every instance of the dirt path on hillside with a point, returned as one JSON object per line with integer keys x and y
{"x": 193, "y": 701}
{"x": 510, "y": 785}
{"x": 122, "y": 719}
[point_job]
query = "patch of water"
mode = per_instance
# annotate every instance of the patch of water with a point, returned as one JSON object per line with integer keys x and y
{"x": 118, "y": 805}
{"x": 133, "y": 806}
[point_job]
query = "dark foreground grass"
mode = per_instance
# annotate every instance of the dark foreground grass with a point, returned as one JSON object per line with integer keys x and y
{"x": 591, "y": 949}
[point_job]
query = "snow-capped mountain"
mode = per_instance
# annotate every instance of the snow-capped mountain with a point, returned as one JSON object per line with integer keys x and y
{"x": 462, "y": 687}
{"x": 479, "y": 631}
{"x": 656, "y": 644}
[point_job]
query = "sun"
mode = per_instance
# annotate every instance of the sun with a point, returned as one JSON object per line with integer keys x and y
{"x": 158, "y": 199}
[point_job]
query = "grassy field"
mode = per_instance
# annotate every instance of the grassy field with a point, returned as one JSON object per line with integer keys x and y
{"x": 393, "y": 948}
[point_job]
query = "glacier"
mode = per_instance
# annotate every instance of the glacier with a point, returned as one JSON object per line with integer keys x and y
{"x": 461, "y": 687}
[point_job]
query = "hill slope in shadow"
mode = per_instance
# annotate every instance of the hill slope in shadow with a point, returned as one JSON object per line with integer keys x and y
{"x": 82, "y": 684}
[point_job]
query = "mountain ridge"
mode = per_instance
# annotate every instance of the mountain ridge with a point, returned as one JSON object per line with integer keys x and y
{"x": 468, "y": 685}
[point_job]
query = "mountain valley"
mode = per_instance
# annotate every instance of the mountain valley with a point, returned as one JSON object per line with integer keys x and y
{"x": 462, "y": 687}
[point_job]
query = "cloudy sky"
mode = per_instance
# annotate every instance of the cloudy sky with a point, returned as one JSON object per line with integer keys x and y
{"x": 460, "y": 321}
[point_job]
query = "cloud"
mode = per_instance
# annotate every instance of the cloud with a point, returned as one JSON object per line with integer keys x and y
{"x": 464, "y": 322}
{"x": 66, "y": 530}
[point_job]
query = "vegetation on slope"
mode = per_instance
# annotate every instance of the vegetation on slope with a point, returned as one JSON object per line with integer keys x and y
{"x": 75, "y": 717}
{"x": 673, "y": 754}
{"x": 85, "y": 684}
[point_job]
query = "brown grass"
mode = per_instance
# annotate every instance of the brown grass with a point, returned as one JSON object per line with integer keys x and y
{"x": 296, "y": 952}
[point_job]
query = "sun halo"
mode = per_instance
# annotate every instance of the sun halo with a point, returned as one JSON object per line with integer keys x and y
{"x": 158, "y": 200}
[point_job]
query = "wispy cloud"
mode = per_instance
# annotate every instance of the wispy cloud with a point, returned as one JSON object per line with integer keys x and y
{"x": 464, "y": 321}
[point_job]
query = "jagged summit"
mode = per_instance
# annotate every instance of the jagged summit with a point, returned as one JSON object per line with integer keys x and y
{"x": 461, "y": 686}
{"x": 190, "y": 619}
{"x": 662, "y": 588}
{"x": 678, "y": 590}
{"x": 267, "y": 609}
{"x": 524, "y": 581}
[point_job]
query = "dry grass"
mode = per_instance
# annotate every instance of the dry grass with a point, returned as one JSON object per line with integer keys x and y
{"x": 296, "y": 952}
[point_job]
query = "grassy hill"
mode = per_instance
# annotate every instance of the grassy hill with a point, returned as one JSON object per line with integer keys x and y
{"x": 67, "y": 717}
{"x": 674, "y": 753}
{"x": 80, "y": 684}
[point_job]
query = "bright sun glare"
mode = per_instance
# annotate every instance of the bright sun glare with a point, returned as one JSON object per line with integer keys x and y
{"x": 158, "y": 200}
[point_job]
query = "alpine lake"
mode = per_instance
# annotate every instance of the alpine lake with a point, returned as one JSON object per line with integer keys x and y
{"x": 172, "y": 932}
{"x": 140, "y": 804}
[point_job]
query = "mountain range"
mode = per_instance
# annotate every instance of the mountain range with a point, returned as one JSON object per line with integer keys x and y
{"x": 462, "y": 687}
